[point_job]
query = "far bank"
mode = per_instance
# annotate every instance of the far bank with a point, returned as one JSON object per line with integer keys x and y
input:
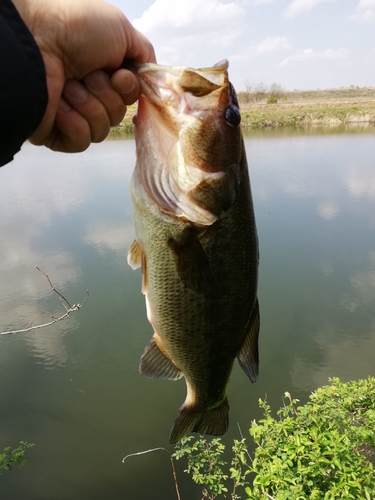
{"x": 297, "y": 108}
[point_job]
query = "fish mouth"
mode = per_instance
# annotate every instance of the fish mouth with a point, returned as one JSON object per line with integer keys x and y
{"x": 176, "y": 87}
{"x": 179, "y": 122}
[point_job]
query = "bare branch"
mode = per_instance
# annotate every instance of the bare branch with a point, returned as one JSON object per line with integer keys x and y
{"x": 33, "y": 321}
{"x": 246, "y": 451}
{"x": 67, "y": 306}
{"x": 172, "y": 464}
{"x": 53, "y": 288}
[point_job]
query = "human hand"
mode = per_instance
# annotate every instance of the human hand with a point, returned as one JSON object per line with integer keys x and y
{"x": 83, "y": 43}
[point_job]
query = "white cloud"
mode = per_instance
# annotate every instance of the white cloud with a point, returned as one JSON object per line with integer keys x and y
{"x": 190, "y": 14}
{"x": 310, "y": 55}
{"x": 297, "y": 7}
{"x": 328, "y": 210}
{"x": 110, "y": 237}
{"x": 365, "y": 11}
{"x": 271, "y": 44}
{"x": 224, "y": 40}
{"x": 191, "y": 32}
{"x": 254, "y": 3}
{"x": 360, "y": 185}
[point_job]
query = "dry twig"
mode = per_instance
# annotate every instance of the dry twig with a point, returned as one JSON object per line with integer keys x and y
{"x": 172, "y": 463}
{"x": 67, "y": 306}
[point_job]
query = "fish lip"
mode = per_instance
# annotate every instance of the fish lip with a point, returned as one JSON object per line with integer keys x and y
{"x": 216, "y": 74}
{"x": 139, "y": 67}
{"x": 153, "y": 86}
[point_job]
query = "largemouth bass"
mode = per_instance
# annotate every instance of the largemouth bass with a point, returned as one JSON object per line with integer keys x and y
{"x": 196, "y": 238}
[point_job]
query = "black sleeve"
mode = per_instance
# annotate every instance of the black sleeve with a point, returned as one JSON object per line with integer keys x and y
{"x": 23, "y": 88}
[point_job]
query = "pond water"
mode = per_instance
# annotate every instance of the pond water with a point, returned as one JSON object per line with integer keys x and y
{"x": 74, "y": 388}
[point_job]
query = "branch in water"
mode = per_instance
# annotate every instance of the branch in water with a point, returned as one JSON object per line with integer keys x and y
{"x": 172, "y": 464}
{"x": 66, "y": 304}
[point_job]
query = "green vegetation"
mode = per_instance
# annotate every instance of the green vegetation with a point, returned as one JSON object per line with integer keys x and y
{"x": 272, "y": 100}
{"x": 205, "y": 464}
{"x": 14, "y": 457}
{"x": 320, "y": 451}
{"x": 279, "y": 116}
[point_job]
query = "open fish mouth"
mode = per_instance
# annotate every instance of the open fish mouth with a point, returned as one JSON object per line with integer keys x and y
{"x": 179, "y": 88}
{"x": 176, "y": 108}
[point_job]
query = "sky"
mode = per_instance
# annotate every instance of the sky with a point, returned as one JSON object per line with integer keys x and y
{"x": 299, "y": 44}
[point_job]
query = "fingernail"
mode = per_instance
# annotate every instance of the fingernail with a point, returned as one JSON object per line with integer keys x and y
{"x": 127, "y": 90}
{"x": 97, "y": 81}
{"x": 64, "y": 106}
{"x": 75, "y": 90}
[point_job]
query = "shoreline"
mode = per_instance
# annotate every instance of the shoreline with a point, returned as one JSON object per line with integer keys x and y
{"x": 291, "y": 114}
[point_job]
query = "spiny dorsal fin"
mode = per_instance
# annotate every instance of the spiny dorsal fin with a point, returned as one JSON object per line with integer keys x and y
{"x": 213, "y": 422}
{"x": 155, "y": 364}
{"x": 192, "y": 263}
{"x": 135, "y": 255}
{"x": 248, "y": 355}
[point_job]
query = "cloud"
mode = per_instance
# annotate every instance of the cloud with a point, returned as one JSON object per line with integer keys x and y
{"x": 186, "y": 14}
{"x": 328, "y": 210}
{"x": 365, "y": 11}
{"x": 182, "y": 30}
{"x": 360, "y": 185}
{"x": 311, "y": 55}
{"x": 253, "y": 3}
{"x": 104, "y": 237}
{"x": 297, "y": 7}
{"x": 271, "y": 44}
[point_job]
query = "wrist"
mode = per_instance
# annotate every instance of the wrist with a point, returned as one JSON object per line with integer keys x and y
{"x": 23, "y": 8}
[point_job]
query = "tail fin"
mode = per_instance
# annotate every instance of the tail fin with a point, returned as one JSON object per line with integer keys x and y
{"x": 189, "y": 419}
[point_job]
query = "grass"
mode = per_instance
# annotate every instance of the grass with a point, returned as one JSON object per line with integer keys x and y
{"x": 278, "y": 115}
{"x": 296, "y": 108}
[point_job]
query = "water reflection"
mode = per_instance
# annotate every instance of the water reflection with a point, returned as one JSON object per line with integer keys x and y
{"x": 104, "y": 236}
{"x": 74, "y": 389}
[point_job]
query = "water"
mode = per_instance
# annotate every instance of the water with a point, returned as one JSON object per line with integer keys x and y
{"x": 74, "y": 388}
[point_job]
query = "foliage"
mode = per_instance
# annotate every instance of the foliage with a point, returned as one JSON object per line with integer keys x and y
{"x": 272, "y": 100}
{"x": 15, "y": 457}
{"x": 319, "y": 451}
{"x": 205, "y": 463}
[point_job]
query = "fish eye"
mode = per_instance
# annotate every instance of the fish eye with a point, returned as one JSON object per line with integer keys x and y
{"x": 232, "y": 116}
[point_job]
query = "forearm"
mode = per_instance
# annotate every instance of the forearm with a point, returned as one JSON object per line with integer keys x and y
{"x": 23, "y": 90}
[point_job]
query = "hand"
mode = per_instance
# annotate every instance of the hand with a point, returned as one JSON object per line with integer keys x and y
{"x": 83, "y": 43}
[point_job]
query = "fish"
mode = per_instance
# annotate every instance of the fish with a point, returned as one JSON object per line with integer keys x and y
{"x": 196, "y": 238}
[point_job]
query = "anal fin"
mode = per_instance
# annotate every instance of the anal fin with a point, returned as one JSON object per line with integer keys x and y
{"x": 155, "y": 364}
{"x": 248, "y": 355}
{"x": 213, "y": 422}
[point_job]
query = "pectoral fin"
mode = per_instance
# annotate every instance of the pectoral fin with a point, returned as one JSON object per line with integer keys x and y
{"x": 155, "y": 364}
{"x": 137, "y": 258}
{"x": 192, "y": 262}
{"x": 248, "y": 355}
{"x": 135, "y": 255}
